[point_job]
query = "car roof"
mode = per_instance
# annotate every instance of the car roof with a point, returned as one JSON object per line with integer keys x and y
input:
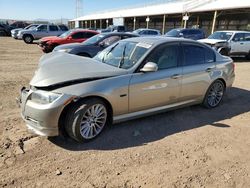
{"x": 233, "y": 31}
{"x": 83, "y": 30}
{"x": 118, "y": 33}
{"x": 158, "y": 40}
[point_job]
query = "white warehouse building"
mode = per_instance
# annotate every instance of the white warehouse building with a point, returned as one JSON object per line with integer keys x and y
{"x": 210, "y": 15}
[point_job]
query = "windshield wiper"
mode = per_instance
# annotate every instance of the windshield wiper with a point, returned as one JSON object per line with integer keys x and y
{"x": 123, "y": 57}
{"x": 108, "y": 52}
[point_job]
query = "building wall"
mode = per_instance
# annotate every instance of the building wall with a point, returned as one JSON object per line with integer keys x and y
{"x": 237, "y": 19}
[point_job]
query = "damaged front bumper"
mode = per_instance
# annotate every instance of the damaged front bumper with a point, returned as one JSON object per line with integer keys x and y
{"x": 41, "y": 119}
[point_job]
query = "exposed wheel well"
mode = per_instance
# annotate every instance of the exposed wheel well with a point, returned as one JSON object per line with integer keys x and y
{"x": 223, "y": 81}
{"x": 65, "y": 110}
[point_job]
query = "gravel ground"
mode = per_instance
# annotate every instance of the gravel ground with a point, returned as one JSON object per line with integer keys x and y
{"x": 189, "y": 147}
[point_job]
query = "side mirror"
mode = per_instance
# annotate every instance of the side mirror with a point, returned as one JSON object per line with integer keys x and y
{"x": 149, "y": 67}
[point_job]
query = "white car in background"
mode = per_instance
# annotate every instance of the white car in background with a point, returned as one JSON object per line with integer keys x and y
{"x": 230, "y": 43}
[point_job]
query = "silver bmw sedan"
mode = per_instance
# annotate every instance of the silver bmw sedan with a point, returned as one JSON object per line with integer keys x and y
{"x": 132, "y": 78}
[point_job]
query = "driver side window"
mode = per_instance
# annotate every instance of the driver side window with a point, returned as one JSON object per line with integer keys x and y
{"x": 238, "y": 37}
{"x": 42, "y": 28}
{"x": 165, "y": 56}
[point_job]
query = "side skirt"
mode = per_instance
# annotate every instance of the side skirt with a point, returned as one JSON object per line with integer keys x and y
{"x": 143, "y": 113}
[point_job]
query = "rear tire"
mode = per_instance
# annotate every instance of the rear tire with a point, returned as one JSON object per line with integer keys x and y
{"x": 248, "y": 56}
{"x": 224, "y": 52}
{"x": 86, "y": 119}
{"x": 214, "y": 94}
{"x": 28, "y": 39}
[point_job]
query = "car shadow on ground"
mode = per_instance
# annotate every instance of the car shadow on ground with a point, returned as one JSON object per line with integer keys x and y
{"x": 240, "y": 60}
{"x": 149, "y": 129}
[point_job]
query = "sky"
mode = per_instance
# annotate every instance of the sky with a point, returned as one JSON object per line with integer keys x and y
{"x": 56, "y": 9}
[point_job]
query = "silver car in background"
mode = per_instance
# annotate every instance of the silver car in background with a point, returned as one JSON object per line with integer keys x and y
{"x": 14, "y": 32}
{"x": 143, "y": 32}
{"x": 134, "y": 77}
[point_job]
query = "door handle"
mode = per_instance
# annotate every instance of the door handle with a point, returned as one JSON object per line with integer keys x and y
{"x": 175, "y": 76}
{"x": 241, "y": 43}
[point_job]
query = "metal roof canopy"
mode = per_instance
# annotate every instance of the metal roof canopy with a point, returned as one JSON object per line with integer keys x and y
{"x": 180, "y": 6}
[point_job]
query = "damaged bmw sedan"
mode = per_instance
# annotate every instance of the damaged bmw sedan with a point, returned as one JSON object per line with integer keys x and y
{"x": 132, "y": 78}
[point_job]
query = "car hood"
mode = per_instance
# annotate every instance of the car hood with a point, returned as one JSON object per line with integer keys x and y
{"x": 50, "y": 38}
{"x": 67, "y": 46}
{"x": 16, "y": 30}
{"x": 211, "y": 41}
{"x": 60, "y": 68}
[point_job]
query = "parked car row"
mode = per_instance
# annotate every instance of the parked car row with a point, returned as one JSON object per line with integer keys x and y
{"x": 228, "y": 43}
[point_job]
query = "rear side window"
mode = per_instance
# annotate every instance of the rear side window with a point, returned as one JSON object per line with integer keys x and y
{"x": 195, "y": 31}
{"x": 193, "y": 54}
{"x": 185, "y": 32}
{"x": 209, "y": 56}
{"x": 63, "y": 27}
{"x": 152, "y": 32}
{"x": 53, "y": 28}
{"x": 111, "y": 40}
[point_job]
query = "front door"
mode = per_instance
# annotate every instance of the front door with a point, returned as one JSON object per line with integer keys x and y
{"x": 240, "y": 44}
{"x": 160, "y": 88}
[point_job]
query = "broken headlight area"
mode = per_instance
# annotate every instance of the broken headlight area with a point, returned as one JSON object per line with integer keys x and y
{"x": 44, "y": 97}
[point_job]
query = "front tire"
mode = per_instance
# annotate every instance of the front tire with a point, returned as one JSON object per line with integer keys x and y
{"x": 28, "y": 39}
{"x": 214, "y": 94}
{"x": 86, "y": 119}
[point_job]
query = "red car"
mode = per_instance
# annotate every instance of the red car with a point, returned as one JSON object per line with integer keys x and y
{"x": 47, "y": 44}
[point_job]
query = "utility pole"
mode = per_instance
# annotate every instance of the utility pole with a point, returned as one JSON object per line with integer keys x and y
{"x": 78, "y": 8}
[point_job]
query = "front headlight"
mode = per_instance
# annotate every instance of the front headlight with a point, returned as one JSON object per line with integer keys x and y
{"x": 44, "y": 97}
{"x": 62, "y": 50}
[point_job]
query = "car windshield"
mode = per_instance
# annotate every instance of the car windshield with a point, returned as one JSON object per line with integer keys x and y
{"x": 221, "y": 35}
{"x": 93, "y": 39}
{"x": 123, "y": 54}
{"x": 66, "y": 34}
{"x": 173, "y": 32}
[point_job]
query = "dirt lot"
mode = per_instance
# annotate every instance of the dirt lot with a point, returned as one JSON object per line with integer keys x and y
{"x": 190, "y": 147}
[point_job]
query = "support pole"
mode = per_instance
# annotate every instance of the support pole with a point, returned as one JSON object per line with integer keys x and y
{"x": 134, "y": 23}
{"x": 147, "y": 20}
{"x": 185, "y": 22}
{"x": 214, "y": 21}
{"x": 197, "y": 21}
{"x": 100, "y": 23}
{"x": 163, "y": 24}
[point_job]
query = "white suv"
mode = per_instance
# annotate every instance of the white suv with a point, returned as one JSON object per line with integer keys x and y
{"x": 231, "y": 43}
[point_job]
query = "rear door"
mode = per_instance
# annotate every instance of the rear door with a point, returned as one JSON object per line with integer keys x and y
{"x": 160, "y": 88}
{"x": 42, "y": 31}
{"x": 198, "y": 67}
{"x": 54, "y": 30}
